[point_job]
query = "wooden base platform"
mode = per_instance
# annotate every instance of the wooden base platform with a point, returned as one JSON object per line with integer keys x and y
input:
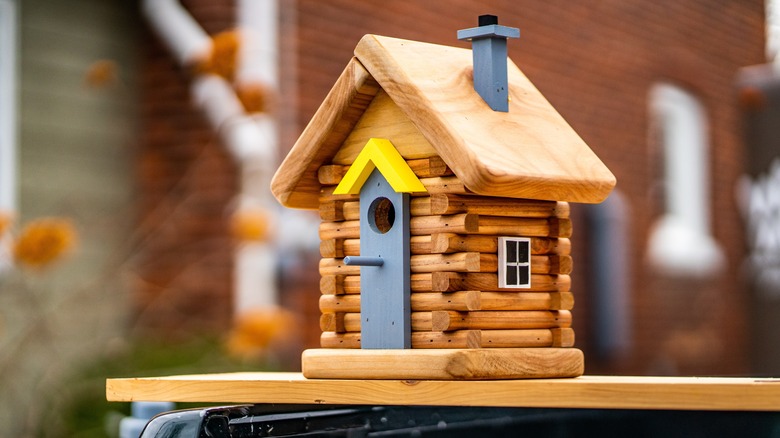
{"x": 443, "y": 364}
{"x": 597, "y": 392}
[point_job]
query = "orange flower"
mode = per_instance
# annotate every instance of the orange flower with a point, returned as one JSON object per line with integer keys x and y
{"x": 6, "y": 219}
{"x": 255, "y": 97}
{"x": 258, "y": 331}
{"x": 224, "y": 53}
{"x": 250, "y": 225}
{"x": 102, "y": 74}
{"x": 752, "y": 98}
{"x": 42, "y": 241}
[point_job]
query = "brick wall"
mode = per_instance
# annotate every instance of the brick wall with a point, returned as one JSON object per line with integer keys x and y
{"x": 186, "y": 179}
{"x": 595, "y": 62}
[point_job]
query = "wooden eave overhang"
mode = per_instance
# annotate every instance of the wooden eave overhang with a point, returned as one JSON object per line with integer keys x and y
{"x": 528, "y": 152}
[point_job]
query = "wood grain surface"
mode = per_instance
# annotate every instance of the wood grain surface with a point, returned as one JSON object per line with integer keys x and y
{"x": 428, "y": 108}
{"x": 602, "y": 392}
{"x": 528, "y": 152}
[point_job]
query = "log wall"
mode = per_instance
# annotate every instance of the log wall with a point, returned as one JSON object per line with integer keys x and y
{"x": 455, "y": 301}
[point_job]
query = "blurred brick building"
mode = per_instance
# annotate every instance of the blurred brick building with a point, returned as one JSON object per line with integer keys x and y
{"x": 625, "y": 75}
{"x": 186, "y": 180}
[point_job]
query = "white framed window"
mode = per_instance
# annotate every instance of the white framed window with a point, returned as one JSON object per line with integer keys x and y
{"x": 680, "y": 240}
{"x": 514, "y": 262}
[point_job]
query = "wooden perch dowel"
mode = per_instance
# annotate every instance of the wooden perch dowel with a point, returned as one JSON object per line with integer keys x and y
{"x": 498, "y": 320}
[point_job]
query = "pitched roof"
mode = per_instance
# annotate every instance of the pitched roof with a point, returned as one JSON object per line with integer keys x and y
{"x": 528, "y": 152}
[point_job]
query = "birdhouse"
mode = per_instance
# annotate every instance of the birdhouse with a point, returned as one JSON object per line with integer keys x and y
{"x": 442, "y": 177}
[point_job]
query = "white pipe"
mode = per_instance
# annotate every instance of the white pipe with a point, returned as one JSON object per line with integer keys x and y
{"x": 256, "y": 262}
{"x": 187, "y": 41}
{"x": 8, "y": 107}
{"x": 258, "y": 58}
{"x": 247, "y": 138}
{"x": 251, "y": 140}
{"x": 217, "y": 99}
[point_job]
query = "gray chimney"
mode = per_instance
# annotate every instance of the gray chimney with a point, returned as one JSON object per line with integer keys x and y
{"x": 488, "y": 44}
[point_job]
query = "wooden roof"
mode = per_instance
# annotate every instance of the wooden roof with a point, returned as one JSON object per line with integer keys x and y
{"x": 528, "y": 152}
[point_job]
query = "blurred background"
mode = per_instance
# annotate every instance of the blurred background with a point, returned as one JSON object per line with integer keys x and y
{"x": 137, "y": 141}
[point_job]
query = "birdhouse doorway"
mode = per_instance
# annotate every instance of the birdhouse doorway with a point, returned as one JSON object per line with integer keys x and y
{"x": 385, "y": 289}
{"x": 383, "y": 180}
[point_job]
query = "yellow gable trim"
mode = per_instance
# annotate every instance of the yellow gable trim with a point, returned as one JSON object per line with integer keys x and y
{"x": 380, "y": 154}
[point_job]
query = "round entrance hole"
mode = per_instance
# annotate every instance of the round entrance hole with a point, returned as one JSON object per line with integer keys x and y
{"x": 381, "y": 215}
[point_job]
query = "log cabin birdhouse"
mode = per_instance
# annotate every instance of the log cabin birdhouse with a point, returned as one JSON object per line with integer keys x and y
{"x": 442, "y": 177}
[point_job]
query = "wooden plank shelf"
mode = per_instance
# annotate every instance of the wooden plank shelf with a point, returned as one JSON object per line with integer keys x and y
{"x": 597, "y": 392}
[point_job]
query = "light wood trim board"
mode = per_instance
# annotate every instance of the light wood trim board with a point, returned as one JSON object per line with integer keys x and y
{"x": 598, "y": 392}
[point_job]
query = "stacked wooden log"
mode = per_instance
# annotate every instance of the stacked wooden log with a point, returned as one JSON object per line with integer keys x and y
{"x": 455, "y": 300}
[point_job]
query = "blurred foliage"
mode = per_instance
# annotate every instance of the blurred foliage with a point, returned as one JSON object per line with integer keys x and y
{"x": 224, "y": 52}
{"x": 255, "y": 97}
{"x": 43, "y": 241}
{"x": 250, "y": 225}
{"x": 80, "y": 409}
{"x": 103, "y": 73}
{"x": 264, "y": 334}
